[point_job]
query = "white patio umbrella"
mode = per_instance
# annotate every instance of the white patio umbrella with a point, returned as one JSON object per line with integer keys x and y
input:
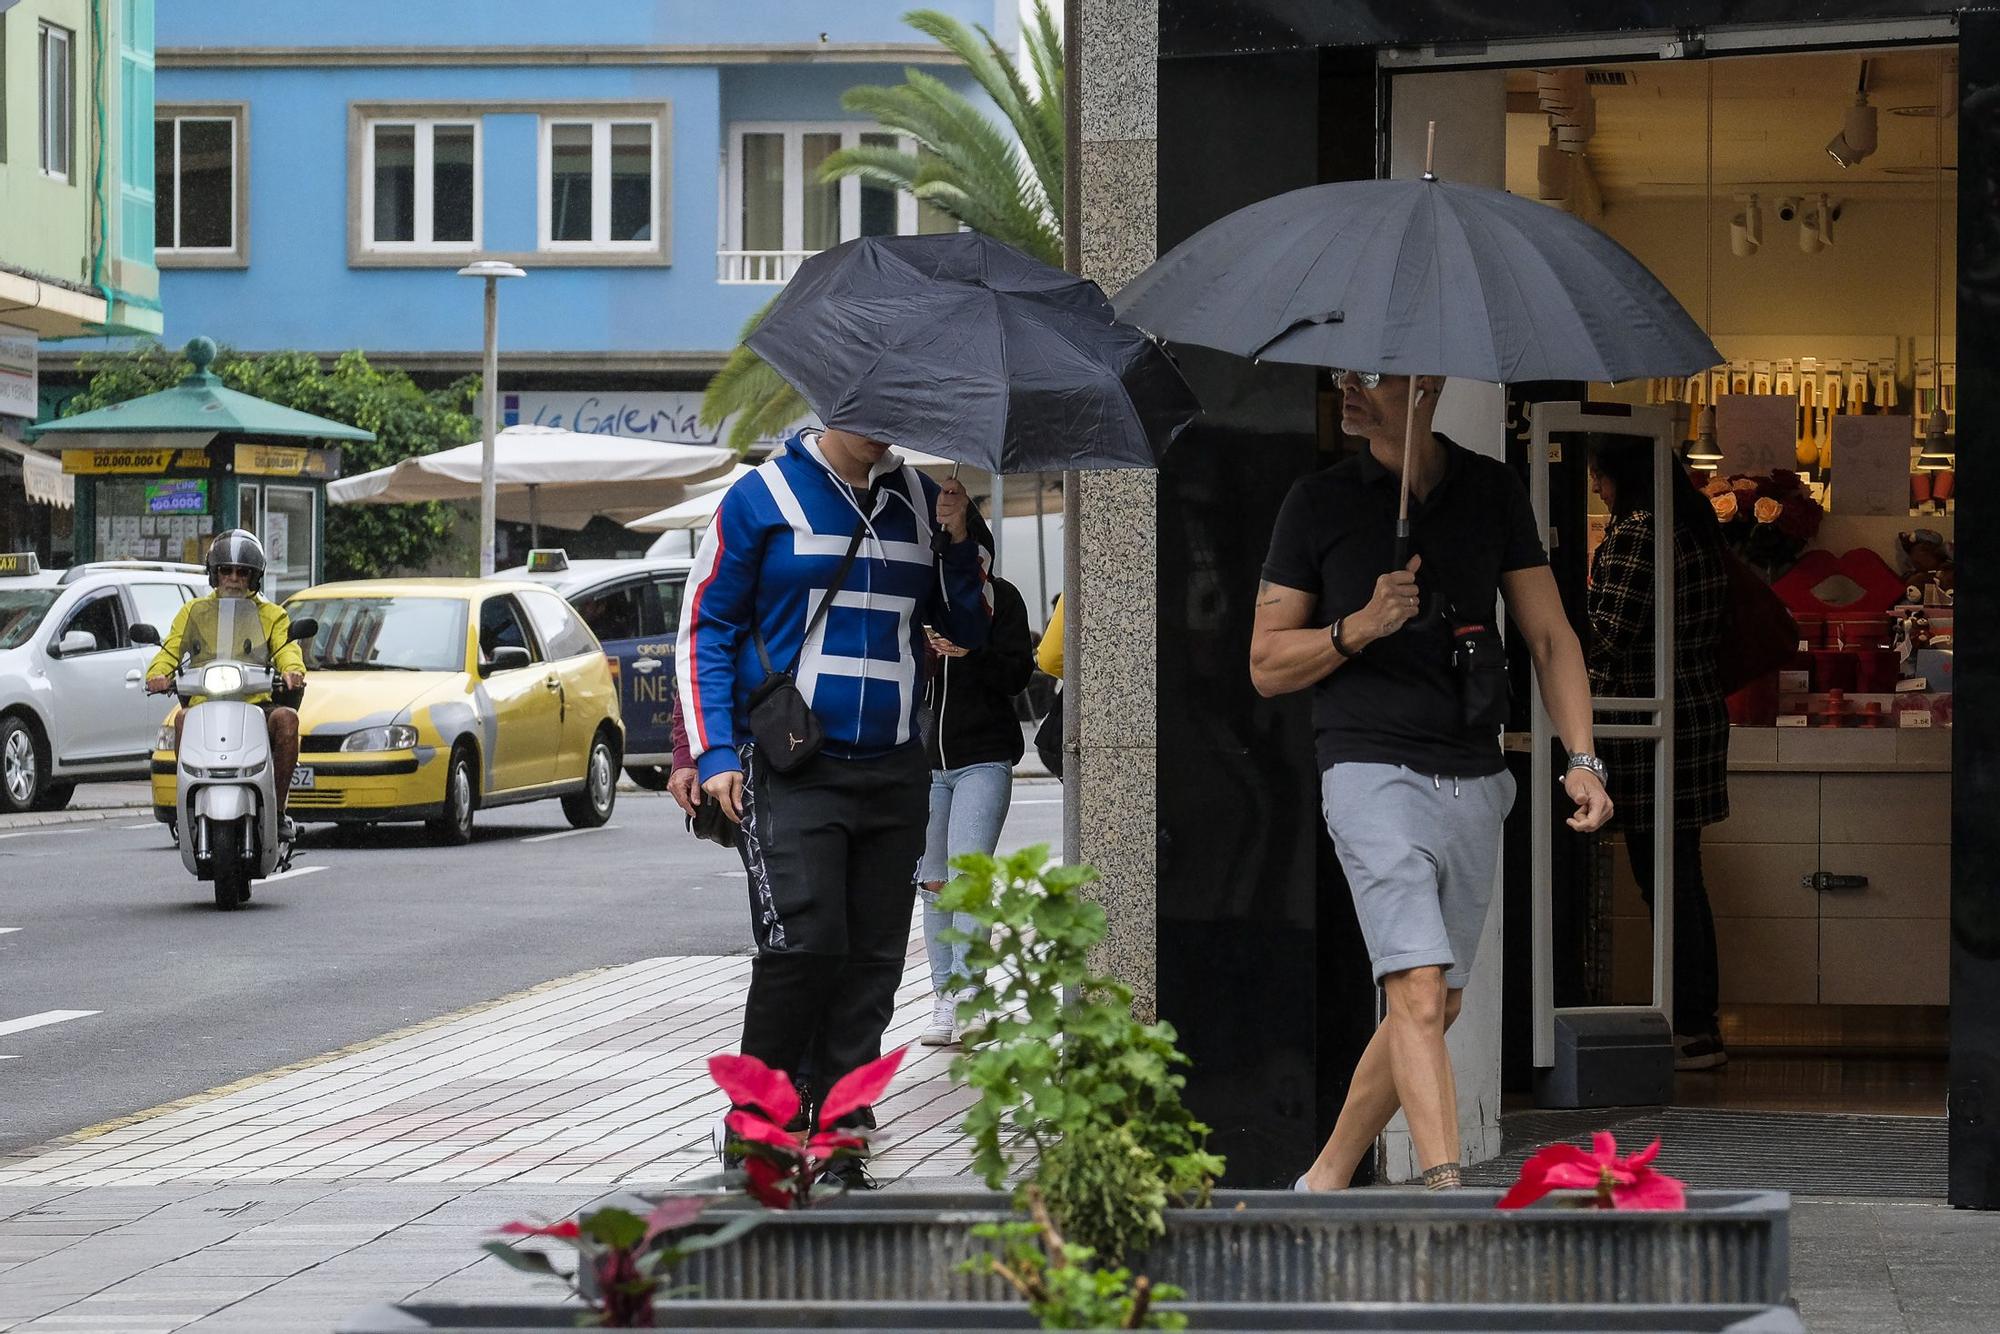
{"x": 697, "y": 509}
{"x": 548, "y": 475}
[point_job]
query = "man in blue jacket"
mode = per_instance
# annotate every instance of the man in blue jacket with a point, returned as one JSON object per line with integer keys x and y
{"x": 829, "y": 848}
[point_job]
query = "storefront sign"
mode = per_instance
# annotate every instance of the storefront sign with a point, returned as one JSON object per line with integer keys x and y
{"x": 18, "y": 383}
{"x": 97, "y": 462}
{"x": 187, "y": 495}
{"x": 1757, "y": 433}
{"x": 1871, "y": 465}
{"x": 645, "y": 415}
{"x": 287, "y": 461}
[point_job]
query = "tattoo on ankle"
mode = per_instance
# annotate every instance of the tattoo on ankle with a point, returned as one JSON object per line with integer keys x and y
{"x": 1442, "y": 1177}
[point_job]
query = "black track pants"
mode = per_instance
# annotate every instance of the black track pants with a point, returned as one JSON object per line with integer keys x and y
{"x": 831, "y": 851}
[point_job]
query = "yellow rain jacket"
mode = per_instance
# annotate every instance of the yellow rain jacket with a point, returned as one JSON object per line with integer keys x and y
{"x": 195, "y": 628}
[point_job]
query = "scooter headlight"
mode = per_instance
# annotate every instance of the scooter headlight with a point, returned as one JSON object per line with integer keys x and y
{"x": 397, "y": 736}
{"x": 221, "y": 679}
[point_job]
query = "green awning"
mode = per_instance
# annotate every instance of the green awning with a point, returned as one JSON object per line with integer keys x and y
{"x": 197, "y": 405}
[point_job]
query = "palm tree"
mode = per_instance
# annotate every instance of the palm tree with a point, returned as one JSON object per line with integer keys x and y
{"x": 964, "y": 165}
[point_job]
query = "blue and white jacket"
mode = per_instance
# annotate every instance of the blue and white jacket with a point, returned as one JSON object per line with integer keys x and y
{"x": 775, "y": 544}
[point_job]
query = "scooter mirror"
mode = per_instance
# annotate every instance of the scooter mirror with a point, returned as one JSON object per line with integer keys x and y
{"x": 303, "y": 629}
{"x": 142, "y": 633}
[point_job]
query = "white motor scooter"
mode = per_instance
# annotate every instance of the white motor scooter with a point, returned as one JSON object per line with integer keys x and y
{"x": 230, "y": 831}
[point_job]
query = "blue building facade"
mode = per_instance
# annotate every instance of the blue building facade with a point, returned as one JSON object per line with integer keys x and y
{"x": 324, "y": 170}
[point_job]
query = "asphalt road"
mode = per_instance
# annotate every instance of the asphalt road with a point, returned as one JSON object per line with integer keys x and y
{"x": 368, "y": 934}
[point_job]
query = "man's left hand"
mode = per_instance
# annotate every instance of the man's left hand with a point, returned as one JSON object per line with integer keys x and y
{"x": 1593, "y": 803}
{"x": 295, "y": 680}
{"x": 951, "y": 503}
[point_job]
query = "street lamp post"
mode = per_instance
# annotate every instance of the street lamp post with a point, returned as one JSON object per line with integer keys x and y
{"x": 492, "y": 270}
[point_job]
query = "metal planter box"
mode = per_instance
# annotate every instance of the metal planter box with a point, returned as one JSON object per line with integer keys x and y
{"x": 1728, "y": 1247}
{"x": 986, "y": 1318}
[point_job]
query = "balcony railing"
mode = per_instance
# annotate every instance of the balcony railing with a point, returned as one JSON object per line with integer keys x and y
{"x": 759, "y": 266}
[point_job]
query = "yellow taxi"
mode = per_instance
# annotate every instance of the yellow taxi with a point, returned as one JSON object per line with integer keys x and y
{"x": 429, "y": 699}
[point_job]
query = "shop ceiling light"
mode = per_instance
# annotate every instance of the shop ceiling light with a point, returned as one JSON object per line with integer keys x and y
{"x": 1856, "y": 139}
{"x": 1937, "y": 454}
{"x": 1703, "y": 454}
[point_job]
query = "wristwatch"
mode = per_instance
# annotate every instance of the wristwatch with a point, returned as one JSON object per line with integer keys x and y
{"x": 1338, "y": 647}
{"x": 1583, "y": 759}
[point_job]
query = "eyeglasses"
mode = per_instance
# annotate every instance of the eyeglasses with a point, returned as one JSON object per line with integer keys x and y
{"x": 241, "y": 571}
{"x": 1366, "y": 379}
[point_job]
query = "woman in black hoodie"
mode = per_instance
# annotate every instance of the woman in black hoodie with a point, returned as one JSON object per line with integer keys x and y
{"x": 975, "y": 741}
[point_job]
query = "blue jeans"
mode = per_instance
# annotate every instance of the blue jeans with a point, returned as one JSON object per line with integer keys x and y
{"x": 968, "y": 806}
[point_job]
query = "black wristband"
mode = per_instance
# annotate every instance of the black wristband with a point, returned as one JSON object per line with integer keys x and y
{"x": 1338, "y": 647}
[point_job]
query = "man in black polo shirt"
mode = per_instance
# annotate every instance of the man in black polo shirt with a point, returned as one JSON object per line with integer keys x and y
{"x": 1411, "y": 776}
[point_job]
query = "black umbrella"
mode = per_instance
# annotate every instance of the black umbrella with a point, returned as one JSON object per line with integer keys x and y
{"x": 961, "y": 346}
{"x": 1420, "y": 277}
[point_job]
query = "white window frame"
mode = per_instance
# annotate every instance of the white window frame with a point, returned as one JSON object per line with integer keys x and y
{"x": 58, "y": 122}
{"x": 850, "y": 132}
{"x": 600, "y": 185}
{"x": 167, "y": 230}
{"x": 426, "y": 130}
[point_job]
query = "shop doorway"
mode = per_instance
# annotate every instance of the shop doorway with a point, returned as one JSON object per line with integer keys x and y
{"x": 1802, "y": 205}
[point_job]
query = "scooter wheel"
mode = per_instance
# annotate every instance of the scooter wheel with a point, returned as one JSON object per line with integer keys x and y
{"x": 232, "y": 875}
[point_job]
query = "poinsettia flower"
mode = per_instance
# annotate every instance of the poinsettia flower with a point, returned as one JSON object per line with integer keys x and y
{"x": 567, "y": 1230}
{"x": 827, "y": 1143}
{"x": 757, "y": 1130}
{"x": 751, "y": 1083}
{"x": 859, "y": 1087}
{"x": 767, "y": 1183}
{"x": 1620, "y": 1183}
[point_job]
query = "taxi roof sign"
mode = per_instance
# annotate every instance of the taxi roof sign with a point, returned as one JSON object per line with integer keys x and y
{"x": 548, "y": 560}
{"x": 19, "y": 563}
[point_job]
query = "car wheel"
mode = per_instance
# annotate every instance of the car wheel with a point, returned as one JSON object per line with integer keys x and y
{"x": 453, "y": 825}
{"x": 21, "y": 766}
{"x": 652, "y": 777}
{"x": 55, "y": 796}
{"x": 591, "y": 807}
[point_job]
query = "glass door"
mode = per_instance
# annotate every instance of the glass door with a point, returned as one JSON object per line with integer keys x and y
{"x": 281, "y": 517}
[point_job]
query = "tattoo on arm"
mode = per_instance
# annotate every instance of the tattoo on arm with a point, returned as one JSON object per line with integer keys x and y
{"x": 1264, "y": 597}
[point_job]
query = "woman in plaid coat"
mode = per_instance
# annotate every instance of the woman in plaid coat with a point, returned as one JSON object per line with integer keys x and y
{"x": 1621, "y": 664}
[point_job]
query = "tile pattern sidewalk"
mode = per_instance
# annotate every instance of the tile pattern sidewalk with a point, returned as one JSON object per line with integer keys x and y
{"x": 292, "y": 1200}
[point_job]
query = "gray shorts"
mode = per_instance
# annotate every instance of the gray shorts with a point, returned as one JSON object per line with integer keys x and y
{"x": 1420, "y": 854}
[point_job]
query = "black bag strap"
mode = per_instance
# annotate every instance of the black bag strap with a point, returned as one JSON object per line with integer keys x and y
{"x": 819, "y": 612}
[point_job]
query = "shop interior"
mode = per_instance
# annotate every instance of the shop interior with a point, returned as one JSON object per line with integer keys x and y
{"x": 1802, "y": 207}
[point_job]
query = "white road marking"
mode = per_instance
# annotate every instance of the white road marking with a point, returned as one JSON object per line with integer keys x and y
{"x": 45, "y": 1017}
{"x": 5, "y": 929}
{"x": 31, "y": 833}
{"x": 569, "y": 833}
{"x": 1037, "y": 801}
{"x": 9, "y": 1058}
{"x": 295, "y": 872}
{"x": 148, "y": 824}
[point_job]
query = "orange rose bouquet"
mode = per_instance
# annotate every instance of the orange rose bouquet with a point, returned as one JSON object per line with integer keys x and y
{"x": 1767, "y": 520}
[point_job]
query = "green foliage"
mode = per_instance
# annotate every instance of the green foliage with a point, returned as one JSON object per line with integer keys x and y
{"x": 362, "y": 541}
{"x": 1065, "y": 1070}
{"x": 748, "y": 390}
{"x": 965, "y": 165}
{"x": 1063, "y": 1289}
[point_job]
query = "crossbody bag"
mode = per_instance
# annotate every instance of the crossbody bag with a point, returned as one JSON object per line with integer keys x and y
{"x": 784, "y": 726}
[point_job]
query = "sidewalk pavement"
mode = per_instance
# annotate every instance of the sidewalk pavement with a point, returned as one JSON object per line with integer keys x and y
{"x": 297, "y": 1197}
{"x": 91, "y": 801}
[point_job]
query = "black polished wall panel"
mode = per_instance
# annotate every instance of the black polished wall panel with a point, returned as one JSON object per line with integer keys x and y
{"x": 1974, "y": 1096}
{"x": 1259, "y": 962}
{"x": 1206, "y": 27}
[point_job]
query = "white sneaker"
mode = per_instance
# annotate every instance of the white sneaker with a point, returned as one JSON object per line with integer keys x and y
{"x": 942, "y": 1030}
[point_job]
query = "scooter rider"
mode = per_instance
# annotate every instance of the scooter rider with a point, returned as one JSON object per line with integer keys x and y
{"x": 236, "y": 570}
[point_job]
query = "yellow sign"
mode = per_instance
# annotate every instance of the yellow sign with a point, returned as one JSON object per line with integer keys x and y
{"x": 19, "y": 562}
{"x": 111, "y": 460}
{"x": 287, "y": 461}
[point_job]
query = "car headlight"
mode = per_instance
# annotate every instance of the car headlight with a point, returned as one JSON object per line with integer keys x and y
{"x": 165, "y": 740}
{"x": 398, "y": 736}
{"x": 221, "y": 679}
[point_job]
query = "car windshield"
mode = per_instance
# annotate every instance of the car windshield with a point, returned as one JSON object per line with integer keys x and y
{"x": 224, "y": 629}
{"x": 21, "y": 610}
{"x": 385, "y": 634}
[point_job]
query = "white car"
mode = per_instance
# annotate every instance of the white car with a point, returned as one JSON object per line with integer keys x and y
{"x": 73, "y": 701}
